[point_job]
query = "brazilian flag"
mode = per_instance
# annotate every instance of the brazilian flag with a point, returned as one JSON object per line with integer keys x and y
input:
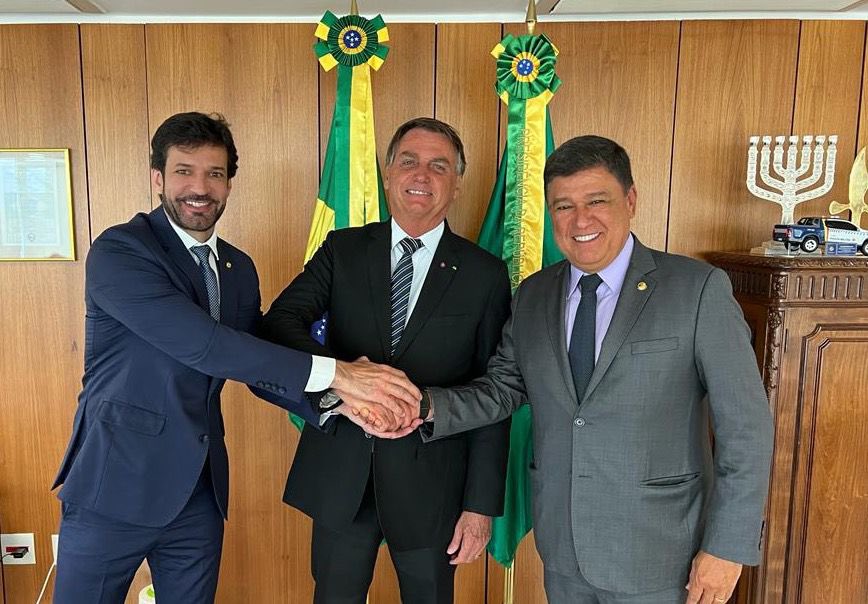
{"x": 518, "y": 229}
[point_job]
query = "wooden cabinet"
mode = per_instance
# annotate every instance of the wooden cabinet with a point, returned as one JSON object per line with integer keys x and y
{"x": 809, "y": 318}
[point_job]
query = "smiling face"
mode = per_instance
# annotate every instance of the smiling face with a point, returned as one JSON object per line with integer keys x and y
{"x": 422, "y": 180}
{"x": 194, "y": 187}
{"x": 591, "y": 215}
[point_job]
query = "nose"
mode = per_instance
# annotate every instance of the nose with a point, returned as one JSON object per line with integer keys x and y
{"x": 583, "y": 215}
{"x": 198, "y": 184}
{"x": 422, "y": 174}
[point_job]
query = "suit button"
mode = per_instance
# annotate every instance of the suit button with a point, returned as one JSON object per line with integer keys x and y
{"x": 203, "y": 438}
{"x": 580, "y": 421}
{"x": 281, "y": 390}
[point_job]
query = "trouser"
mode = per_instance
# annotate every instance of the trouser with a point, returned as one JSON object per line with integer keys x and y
{"x": 98, "y": 556}
{"x": 342, "y": 562}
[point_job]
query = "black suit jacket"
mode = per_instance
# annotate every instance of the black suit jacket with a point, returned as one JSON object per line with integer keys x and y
{"x": 421, "y": 488}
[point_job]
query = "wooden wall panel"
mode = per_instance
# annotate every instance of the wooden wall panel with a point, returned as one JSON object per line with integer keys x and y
{"x": 465, "y": 98}
{"x": 116, "y": 124}
{"x": 835, "y": 531}
{"x": 863, "y": 109}
{"x": 730, "y": 86}
{"x": 828, "y": 84}
{"x": 41, "y": 358}
{"x": 619, "y": 82}
{"x": 403, "y": 87}
{"x": 262, "y": 78}
{"x": 681, "y": 97}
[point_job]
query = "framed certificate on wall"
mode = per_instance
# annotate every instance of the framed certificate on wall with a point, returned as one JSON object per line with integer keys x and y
{"x": 36, "y": 221}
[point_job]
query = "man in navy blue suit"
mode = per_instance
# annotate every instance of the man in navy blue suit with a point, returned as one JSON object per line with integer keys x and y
{"x": 170, "y": 312}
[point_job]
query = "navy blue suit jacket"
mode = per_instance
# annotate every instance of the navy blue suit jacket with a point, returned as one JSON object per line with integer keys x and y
{"x": 155, "y": 362}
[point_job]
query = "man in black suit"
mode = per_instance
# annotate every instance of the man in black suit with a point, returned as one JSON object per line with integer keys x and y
{"x": 410, "y": 293}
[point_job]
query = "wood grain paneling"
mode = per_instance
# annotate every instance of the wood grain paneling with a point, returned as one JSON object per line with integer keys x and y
{"x": 465, "y": 98}
{"x": 41, "y": 358}
{"x": 863, "y": 109}
{"x": 403, "y": 87}
{"x": 263, "y": 79}
{"x": 730, "y": 86}
{"x": 827, "y": 556}
{"x": 827, "y": 97}
{"x": 116, "y": 122}
{"x": 681, "y": 97}
{"x": 619, "y": 82}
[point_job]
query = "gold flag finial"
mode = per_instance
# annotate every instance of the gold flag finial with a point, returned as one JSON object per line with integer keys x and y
{"x": 354, "y": 8}
{"x": 531, "y": 16}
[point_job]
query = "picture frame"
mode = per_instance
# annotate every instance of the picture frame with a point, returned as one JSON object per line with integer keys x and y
{"x": 36, "y": 215}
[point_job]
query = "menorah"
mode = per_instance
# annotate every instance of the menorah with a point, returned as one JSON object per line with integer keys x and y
{"x": 792, "y": 190}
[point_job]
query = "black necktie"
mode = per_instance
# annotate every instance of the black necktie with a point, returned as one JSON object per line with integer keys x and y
{"x": 402, "y": 278}
{"x": 582, "y": 341}
{"x": 203, "y": 253}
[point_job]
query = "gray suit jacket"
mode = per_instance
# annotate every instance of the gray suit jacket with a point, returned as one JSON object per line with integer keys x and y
{"x": 626, "y": 486}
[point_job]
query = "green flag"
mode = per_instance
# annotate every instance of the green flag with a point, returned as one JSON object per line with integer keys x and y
{"x": 351, "y": 187}
{"x": 518, "y": 229}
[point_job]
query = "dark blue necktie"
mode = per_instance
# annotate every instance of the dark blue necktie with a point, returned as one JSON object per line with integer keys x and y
{"x": 581, "y": 351}
{"x": 402, "y": 278}
{"x": 203, "y": 253}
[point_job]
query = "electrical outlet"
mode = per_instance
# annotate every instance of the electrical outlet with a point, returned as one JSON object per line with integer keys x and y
{"x": 54, "y": 539}
{"x": 10, "y": 540}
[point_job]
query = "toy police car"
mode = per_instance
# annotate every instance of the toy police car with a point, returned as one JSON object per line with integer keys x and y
{"x": 811, "y": 232}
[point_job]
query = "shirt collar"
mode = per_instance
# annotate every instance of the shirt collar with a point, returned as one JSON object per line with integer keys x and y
{"x": 613, "y": 275}
{"x": 189, "y": 241}
{"x": 430, "y": 240}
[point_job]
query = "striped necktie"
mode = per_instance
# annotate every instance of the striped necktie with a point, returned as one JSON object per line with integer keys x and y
{"x": 203, "y": 253}
{"x": 402, "y": 278}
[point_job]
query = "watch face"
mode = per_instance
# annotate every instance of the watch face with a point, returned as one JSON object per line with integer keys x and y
{"x": 329, "y": 399}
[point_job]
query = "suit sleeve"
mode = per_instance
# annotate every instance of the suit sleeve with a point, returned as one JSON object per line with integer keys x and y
{"x": 485, "y": 400}
{"x": 741, "y": 421}
{"x": 303, "y": 302}
{"x": 488, "y": 447}
{"x": 132, "y": 287}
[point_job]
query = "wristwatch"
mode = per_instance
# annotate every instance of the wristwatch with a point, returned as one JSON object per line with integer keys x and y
{"x": 329, "y": 401}
{"x": 424, "y": 405}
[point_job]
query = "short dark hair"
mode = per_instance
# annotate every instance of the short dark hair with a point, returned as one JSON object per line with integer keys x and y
{"x": 431, "y": 125}
{"x": 193, "y": 130}
{"x": 585, "y": 152}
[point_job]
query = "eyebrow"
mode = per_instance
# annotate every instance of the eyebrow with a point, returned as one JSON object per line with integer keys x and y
{"x": 182, "y": 164}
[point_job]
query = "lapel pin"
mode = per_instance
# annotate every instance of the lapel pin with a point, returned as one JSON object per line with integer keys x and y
{"x": 442, "y": 265}
{"x": 228, "y": 264}
{"x": 641, "y": 286}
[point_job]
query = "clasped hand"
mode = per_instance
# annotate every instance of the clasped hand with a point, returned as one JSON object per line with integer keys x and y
{"x": 379, "y": 398}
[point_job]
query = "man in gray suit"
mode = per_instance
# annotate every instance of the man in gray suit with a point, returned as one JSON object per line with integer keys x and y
{"x": 627, "y": 355}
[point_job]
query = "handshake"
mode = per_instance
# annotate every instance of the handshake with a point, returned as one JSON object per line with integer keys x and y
{"x": 378, "y": 398}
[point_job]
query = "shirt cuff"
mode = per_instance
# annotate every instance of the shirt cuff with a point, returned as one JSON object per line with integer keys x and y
{"x": 322, "y": 374}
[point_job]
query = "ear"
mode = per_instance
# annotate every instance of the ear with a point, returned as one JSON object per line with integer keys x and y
{"x": 631, "y": 200}
{"x": 157, "y": 180}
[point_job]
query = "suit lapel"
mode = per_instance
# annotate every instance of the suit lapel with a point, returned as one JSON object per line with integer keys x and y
{"x": 228, "y": 285}
{"x": 178, "y": 254}
{"x": 379, "y": 279}
{"x": 444, "y": 265}
{"x": 630, "y": 303}
{"x": 554, "y": 312}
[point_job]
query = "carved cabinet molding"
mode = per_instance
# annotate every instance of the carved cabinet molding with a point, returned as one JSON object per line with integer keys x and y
{"x": 809, "y": 321}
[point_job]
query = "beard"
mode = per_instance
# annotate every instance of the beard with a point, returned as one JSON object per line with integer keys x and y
{"x": 193, "y": 219}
